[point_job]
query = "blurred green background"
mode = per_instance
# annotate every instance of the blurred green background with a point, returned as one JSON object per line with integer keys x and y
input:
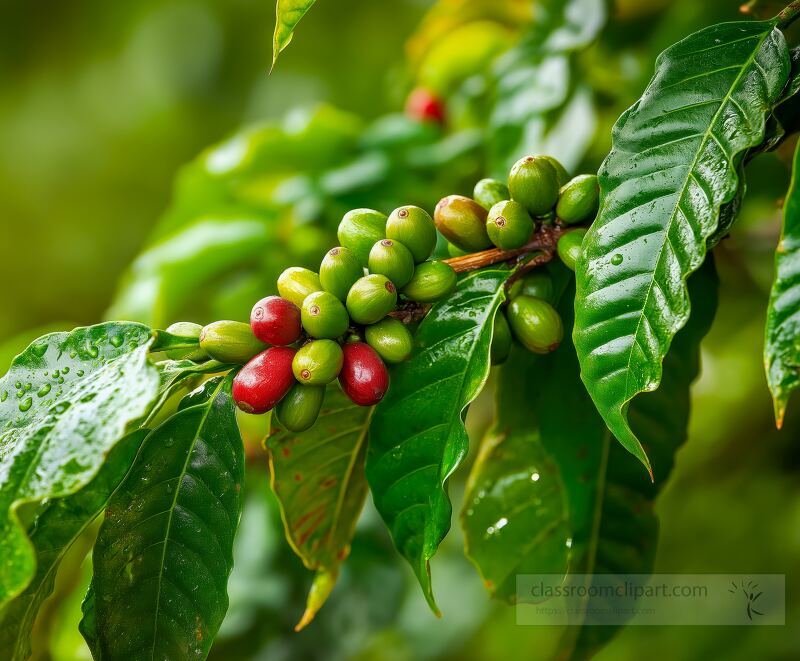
{"x": 102, "y": 105}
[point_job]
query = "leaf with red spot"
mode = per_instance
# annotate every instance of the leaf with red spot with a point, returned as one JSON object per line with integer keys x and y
{"x": 318, "y": 477}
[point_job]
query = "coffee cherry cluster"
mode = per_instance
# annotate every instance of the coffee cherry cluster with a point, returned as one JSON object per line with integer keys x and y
{"x": 338, "y": 323}
{"x": 505, "y": 215}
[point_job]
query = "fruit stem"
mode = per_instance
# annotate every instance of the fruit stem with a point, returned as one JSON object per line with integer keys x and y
{"x": 788, "y": 15}
{"x": 545, "y": 239}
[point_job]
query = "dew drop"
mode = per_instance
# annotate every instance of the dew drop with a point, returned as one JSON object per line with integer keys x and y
{"x": 117, "y": 340}
{"x": 4, "y": 396}
{"x": 46, "y": 387}
{"x": 18, "y": 385}
{"x": 40, "y": 349}
{"x": 616, "y": 260}
{"x": 80, "y": 372}
{"x": 93, "y": 351}
{"x": 65, "y": 370}
{"x": 25, "y": 404}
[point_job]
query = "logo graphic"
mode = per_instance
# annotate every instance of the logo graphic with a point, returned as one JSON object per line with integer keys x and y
{"x": 751, "y": 595}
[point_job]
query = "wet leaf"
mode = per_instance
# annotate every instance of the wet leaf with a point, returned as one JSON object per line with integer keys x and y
{"x": 164, "y": 551}
{"x": 417, "y": 436}
{"x": 782, "y": 344}
{"x": 64, "y": 404}
{"x": 59, "y": 523}
{"x": 672, "y": 166}
{"x": 318, "y": 477}
{"x": 287, "y": 15}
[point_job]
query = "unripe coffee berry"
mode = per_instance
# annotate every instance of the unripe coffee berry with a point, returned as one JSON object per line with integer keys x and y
{"x": 569, "y": 247}
{"x": 299, "y": 409}
{"x": 432, "y": 282}
{"x": 295, "y": 283}
{"x": 578, "y": 199}
{"x": 230, "y": 342}
{"x": 364, "y": 378}
{"x": 392, "y": 259}
{"x": 276, "y": 321}
{"x": 509, "y": 225}
{"x": 561, "y": 172}
{"x": 414, "y": 228}
{"x": 371, "y": 298}
{"x": 359, "y": 230}
{"x": 264, "y": 380}
{"x": 535, "y": 323}
{"x": 324, "y": 316}
{"x": 488, "y": 192}
{"x": 501, "y": 339}
{"x": 423, "y": 106}
{"x": 538, "y": 284}
{"x": 391, "y": 339}
{"x": 533, "y": 183}
{"x": 340, "y": 268}
{"x": 462, "y": 221}
{"x": 190, "y": 331}
{"x": 317, "y": 363}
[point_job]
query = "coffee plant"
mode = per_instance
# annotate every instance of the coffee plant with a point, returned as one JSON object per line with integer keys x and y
{"x": 587, "y": 296}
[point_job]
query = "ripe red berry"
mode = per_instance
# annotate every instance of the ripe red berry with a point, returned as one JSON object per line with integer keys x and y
{"x": 264, "y": 381}
{"x": 424, "y": 106}
{"x": 364, "y": 378}
{"x": 276, "y": 321}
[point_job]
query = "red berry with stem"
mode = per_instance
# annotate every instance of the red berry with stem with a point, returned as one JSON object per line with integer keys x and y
{"x": 265, "y": 380}
{"x": 276, "y": 321}
{"x": 423, "y": 106}
{"x": 364, "y": 378}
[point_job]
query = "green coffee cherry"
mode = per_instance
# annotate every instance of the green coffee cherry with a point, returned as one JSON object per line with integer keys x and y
{"x": 295, "y": 283}
{"x": 414, "y": 228}
{"x": 317, "y": 363}
{"x": 533, "y": 183}
{"x": 230, "y": 342}
{"x": 537, "y": 284}
{"x": 361, "y": 229}
{"x": 324, "y": 316}
{"x": 188, "y": 330}
{"x": 578, "y": 199}
{"x": 561, "y": 171}
{"x": 569, "y": 247}
{"x": 489, "y": 192}
{"x": 509, "y": 225}
{"x": 432, "y": 281}
{"x": 501, "y": 339}
{"x": 462, "y": 221}
{"x": 299, "y": 409}
{"x": 455, "y": 251}
{"x": 535, "y": 323}
{"x": 340, "y": 268}
{"x": 392, "y": 259}
{"x": 371, "y": 298}
{"x": 391, "y": 339}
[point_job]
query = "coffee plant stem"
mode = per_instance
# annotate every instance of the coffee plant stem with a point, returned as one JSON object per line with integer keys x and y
{"x": 789, "y": 15}
{"x": 545, "y": 240}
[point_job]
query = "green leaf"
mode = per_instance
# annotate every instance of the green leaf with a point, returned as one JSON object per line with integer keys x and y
{"x": 287, "y": 15}
{"x": 782, "y": 343}
{"x": 318, "y": 477}
{"x": 164, "y": 551}
{"x": 417, "y": 436}
{"x": 59, "y": 523}
{"x": 64, "y": 404}
{"x": 672, "y": 166}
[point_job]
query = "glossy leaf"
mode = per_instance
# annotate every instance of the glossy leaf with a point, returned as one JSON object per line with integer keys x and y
{"x": 417, "y": 437}
{"x": 318, "y": 477}
{"x": 64, "y": 404}
{"x": 59, "y": 523}
{"x": 782, "y": 344}
{"x": 287, "y": 15}
{"x": 672, "y": 166}
{"x": 164, "y": 551}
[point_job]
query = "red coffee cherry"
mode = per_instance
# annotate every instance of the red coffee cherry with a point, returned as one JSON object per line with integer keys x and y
{"x": 265, "y": 380}
{"x": 364, "y": 378}
{"x": 276, "y": 321}
{"x": 424, "y": 106}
